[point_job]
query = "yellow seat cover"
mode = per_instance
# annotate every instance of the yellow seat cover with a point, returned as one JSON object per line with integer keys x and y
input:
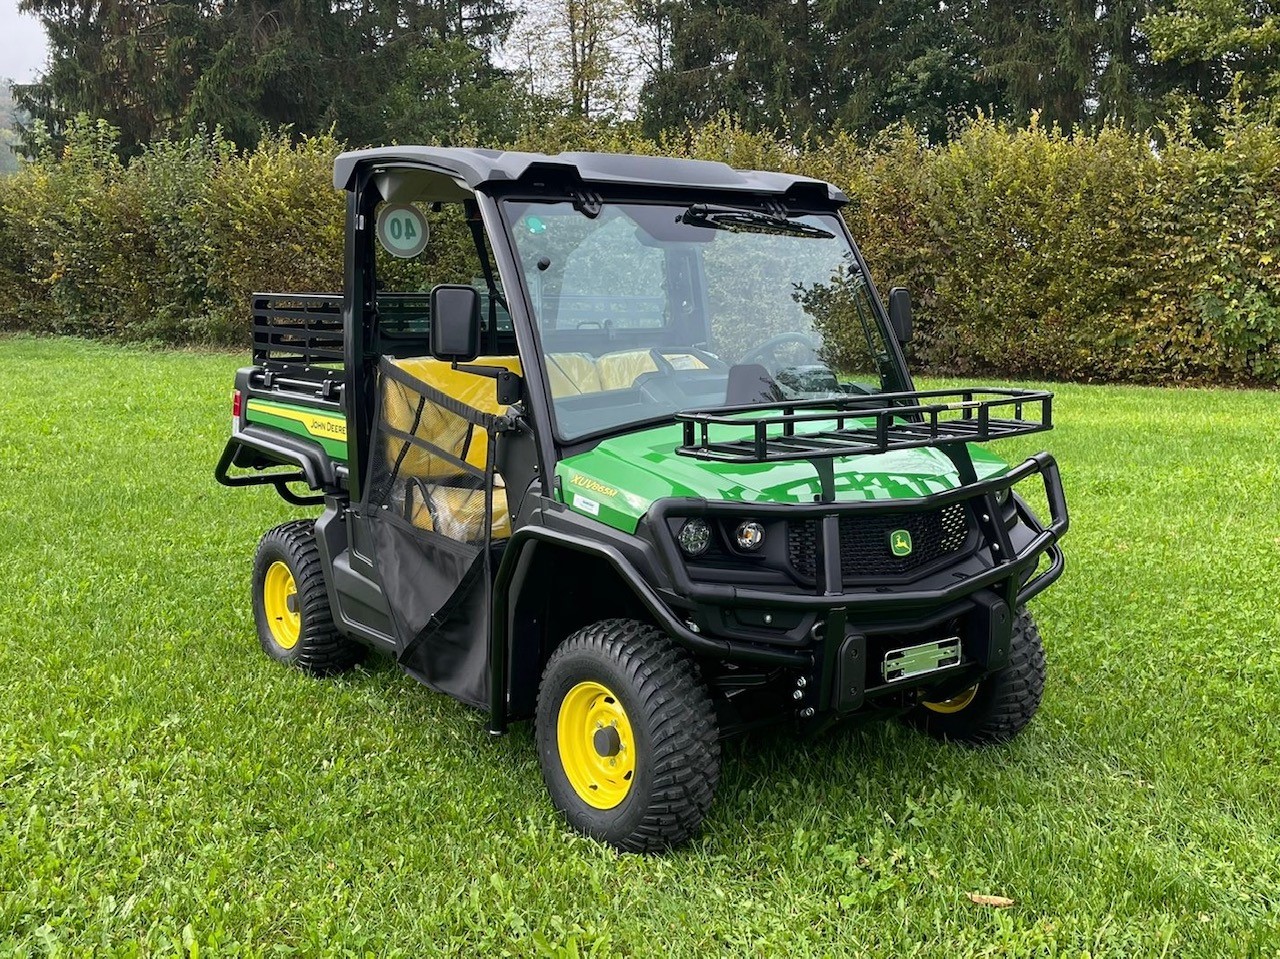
{"x": 453, "y": 434}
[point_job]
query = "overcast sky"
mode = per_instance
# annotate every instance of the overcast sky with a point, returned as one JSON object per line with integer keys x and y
{"x": 22, "y": 43}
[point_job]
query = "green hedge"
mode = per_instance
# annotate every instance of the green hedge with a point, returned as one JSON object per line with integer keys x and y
{"x": 1029, "y": 253}
{"x": 167, "y": 249}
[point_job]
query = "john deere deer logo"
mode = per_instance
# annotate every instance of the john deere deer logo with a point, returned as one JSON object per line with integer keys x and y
{"x": 900, "y": 542}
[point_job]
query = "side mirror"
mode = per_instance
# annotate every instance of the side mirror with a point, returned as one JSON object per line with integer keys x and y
{"x": 900, "y": 313}
{"x": 455, "y": 323}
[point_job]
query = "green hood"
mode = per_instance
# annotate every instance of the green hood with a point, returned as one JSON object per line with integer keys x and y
{"x": 620, "y": 479}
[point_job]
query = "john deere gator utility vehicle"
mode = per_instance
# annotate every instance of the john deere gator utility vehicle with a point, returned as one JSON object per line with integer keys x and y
{"x": 627, "y": 446}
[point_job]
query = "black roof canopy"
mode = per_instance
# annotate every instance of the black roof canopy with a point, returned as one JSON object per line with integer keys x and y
{"x": 471, "y": 169}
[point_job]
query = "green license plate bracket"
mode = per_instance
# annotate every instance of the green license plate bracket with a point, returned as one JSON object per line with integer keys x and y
{"x": 920, "y": 660}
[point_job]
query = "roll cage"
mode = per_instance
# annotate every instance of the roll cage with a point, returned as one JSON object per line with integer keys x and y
{"x": 482, "y": 179}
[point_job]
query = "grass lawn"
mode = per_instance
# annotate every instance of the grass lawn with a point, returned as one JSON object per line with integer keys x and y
{"x": 165, "y": 788}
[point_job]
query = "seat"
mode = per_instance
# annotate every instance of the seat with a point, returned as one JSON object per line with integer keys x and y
{"x": 457, "y": 512}
{"x": 441, "y": 505}
{"x": 571, "y": 374}
{"x": 619, "y": 371}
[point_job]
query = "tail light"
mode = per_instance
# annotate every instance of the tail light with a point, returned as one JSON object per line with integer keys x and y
{"x": 237, "y": 402}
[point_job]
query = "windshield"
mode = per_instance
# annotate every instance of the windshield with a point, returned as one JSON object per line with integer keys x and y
{"x": 649, "y": 309}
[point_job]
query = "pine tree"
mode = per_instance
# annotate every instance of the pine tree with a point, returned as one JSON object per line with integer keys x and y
{"x": 128, "y": 63}
{"x": 1223, "y": 50}
{"x": 372, "y": 70}
{"x": 765, "y": 61}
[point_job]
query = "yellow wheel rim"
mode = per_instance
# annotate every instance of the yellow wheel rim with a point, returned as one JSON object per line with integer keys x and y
{"x": 280, "y": 603}
{"x": 597, "y": 748}
{"x": 955, "y": 703}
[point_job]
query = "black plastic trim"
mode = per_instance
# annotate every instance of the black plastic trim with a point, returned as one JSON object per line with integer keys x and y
{"x": 724, "y": 649}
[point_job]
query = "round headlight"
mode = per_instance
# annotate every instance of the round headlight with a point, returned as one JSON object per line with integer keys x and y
{"x": 694, "y": 537}
{"x": 749, "y": 535}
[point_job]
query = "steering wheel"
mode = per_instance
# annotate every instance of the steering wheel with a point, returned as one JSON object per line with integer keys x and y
{"x": 768, "y": 350}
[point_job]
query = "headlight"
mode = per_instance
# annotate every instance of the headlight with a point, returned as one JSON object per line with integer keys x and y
{"x": 749, "y": 535}
{"x": 694, "y": 537}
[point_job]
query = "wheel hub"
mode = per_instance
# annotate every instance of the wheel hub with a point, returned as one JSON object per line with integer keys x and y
{"x": 955, "y": 703}
{"x": 596, "y": 745}
{"x": 280, "y": 604}
{"x": 607, "y": 742}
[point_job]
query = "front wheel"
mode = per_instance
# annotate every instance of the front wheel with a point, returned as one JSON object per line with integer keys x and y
{"x": 627, "y": 736}
{"x": 1000, "y": 706}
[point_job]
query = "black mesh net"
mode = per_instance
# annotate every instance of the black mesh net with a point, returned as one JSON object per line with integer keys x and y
{"x": 430, "y": 501}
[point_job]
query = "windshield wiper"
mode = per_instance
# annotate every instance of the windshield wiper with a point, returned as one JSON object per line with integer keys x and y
{"x": 737, "y": 220}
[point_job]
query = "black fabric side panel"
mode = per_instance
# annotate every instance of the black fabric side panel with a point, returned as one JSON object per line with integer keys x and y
{"x": 436, "y": 590}
{"x": 452, "y": 653}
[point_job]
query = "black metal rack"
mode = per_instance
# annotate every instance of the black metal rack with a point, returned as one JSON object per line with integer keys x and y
{"x": 863, "y": 425}
{"x": 300, "y": 334}
{"x": 297, "y": 330}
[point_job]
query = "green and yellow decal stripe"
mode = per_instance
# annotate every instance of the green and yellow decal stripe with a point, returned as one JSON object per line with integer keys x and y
{"x": 327, "y": 429}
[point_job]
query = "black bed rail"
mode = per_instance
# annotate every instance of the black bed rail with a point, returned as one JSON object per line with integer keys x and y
{"x": 863, "y": 425}
{"x": 297, "y": 330}
{"x": 299, "y": 335}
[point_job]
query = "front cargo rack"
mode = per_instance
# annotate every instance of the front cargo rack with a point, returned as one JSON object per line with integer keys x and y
{"x": 863, "y": 424}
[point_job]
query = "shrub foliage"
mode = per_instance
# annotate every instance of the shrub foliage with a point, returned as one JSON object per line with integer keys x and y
{"x": 1029, "y": 252}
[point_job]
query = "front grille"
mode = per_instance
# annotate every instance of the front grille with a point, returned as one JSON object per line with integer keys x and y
{"x": 864, "y": 542}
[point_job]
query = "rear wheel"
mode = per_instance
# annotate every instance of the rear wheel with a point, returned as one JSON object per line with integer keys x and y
{"x": 291, "y": 603}
{"x": 627, "y": 736}
{"x": 1000, "y": 706}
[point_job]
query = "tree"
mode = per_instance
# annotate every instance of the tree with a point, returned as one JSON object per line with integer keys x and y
{"x": 1224, "y": 48}
{"x": 437, "y": 74}
{"x": 127, "y": 63}
{"x": 1045, "y": 55}
{"x": 763, "y": 61}
{"x": 10, "y": 119}
{"x": 372, "y": 70}
{"x": 815, "y": 65}
{"x": 911, "y": 60}
{"x": 579, "y": 54}
{"x": 804, "y": 66}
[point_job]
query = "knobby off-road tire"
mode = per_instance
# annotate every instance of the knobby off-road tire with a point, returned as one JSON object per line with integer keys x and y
{"x": 627, "y": 736}
{"x": 291, "y": 604}
{"x": 1000, "y": 706}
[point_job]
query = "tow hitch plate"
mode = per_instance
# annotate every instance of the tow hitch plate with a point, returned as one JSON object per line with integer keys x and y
{"x": 912, "y": 661}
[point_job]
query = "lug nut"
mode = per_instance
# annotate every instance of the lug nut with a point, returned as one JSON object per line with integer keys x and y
{"x": 802, "y": 682}
{"x": 798, "y": 694}
{"x": 768, "y": 619}
{"x": 807, "y": 712}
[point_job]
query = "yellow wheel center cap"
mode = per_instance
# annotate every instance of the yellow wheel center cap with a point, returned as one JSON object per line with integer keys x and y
{"x": 280, "y": 603}
{"x": 597, "y": 748}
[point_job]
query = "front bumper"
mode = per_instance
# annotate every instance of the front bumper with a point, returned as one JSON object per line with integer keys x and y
{"x": 983, "y": 591}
